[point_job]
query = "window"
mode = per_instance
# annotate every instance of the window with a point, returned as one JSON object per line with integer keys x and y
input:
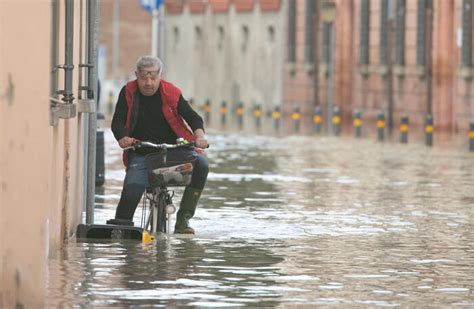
{"x": 245, "y": 38}
{"x": 466, "y": 50}
{"x": 326, "y": 44}
{"x": 291, "y": 31}
{"x": 220, "y": 37}
{"x": 198, "y": 33}
{"x": 176, "y": 35}
{"x": 400, "y": 33}
{"x": 364, "y": 32}
{"x": 271, "y": 34}
{"x": 422, "y": 31}
{"x": 383, "y": 56}
{"x": 309, "y": 34}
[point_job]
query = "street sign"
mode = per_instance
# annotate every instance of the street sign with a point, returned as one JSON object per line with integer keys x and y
{"x": 150, "y": 5}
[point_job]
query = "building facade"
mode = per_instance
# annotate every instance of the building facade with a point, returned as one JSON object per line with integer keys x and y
{"x": 397, "y": 57}
{"x": 390, "y": 57}
{"x": 226, "y": 51}
{"x": 44, "y": 113}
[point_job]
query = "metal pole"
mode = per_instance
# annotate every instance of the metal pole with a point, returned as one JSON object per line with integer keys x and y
{"x": 92, "y": 55}
{"x": 54, "y": 48}
{"x": 69, "y": 54}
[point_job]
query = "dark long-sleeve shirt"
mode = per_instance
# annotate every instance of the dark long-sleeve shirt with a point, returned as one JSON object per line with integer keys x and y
{"x": 151, "y": 123}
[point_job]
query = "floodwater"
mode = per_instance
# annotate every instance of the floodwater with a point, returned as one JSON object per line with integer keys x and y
{"x": 293, "y": 221}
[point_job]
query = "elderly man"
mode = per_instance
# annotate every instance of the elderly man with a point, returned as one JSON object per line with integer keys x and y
{"x": 152, "y": 109}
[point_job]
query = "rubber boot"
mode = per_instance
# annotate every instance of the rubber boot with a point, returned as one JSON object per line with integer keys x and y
{"x": 186, "y": 211}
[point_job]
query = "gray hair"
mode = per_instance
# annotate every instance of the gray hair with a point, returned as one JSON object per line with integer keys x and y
{"x": 148, "y": 61}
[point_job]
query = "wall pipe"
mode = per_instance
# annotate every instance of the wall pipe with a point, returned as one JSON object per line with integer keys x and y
{"x": 69, "y": 53}
{"x": 92, "y": 59}
{"x": 54, "y": 48}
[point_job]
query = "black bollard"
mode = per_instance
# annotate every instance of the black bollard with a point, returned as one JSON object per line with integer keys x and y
{"x": 223, "y": 111}
{"x": 276, "y": 115}
{"x": 240, "y": 114}
{"x": 471, "y": 136}
{"x": 429, "y": 130}
{"x": 207, "y": 111}
{"x": 358, "y": 124}
{"x": 380, "y": 126}
{"x": 110, "y": 103}
{"x": 404, "y": 129}
{"x": 99, "y": 159}
{"x": 336, "y": 120}
{"x": 296, "y": 116}
{"x": 317, "y": 119}
{"x": 257, "y": 113}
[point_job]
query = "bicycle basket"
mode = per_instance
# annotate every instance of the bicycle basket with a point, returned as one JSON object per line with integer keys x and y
{"x": 170, "y": 174}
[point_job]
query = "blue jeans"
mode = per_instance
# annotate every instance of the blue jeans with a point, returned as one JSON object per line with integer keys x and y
{"x": 136, "y": 179}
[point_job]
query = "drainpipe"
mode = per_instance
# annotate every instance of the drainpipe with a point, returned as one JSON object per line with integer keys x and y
{"x": 68, "y": 66}
{"x": 64, "y": 108}
{"x": 92, "y": 59}
{"x": 54, "y": 49}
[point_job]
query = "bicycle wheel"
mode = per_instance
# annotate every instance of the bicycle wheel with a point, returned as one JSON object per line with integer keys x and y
{"x": 161, "y": 213}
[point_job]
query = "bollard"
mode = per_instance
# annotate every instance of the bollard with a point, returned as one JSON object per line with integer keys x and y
{"x": 110, "y": 103}
{"x": 404, "y": 129}
{"x": 223, "y": 111}
{"x": 336, "y": 120}
{"x": 317, "y": 119}
{"x": 257, "y": 113}
{"x": 276, "y": 115}
{"x": 380, "y": 126}
{"x": 296, "y": 116}
{"x": 429, "y": 130}
{"x": 471, "y": 136}
{"x": 358, "y": 124}
{"x": 99, "y": 159}
{"x": 240, "y": 114}
{"x": 207, "y": 112}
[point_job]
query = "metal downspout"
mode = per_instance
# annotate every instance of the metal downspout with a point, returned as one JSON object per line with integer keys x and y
{"x": 92, "y": 58}
{"x": 69, "y": 55}
{"x": 54, "y": 48}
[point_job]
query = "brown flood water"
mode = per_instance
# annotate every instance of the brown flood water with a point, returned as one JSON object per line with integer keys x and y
{"x": 293, "y": 221}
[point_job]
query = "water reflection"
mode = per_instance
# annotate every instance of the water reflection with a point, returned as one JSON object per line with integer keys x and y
{"x": 295, "y": 220}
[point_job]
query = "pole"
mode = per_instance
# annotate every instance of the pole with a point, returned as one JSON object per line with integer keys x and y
{"x": 92, "y": 58}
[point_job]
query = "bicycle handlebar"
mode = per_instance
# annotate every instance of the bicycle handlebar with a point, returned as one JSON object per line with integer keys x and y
{"x": 180, "y": 142}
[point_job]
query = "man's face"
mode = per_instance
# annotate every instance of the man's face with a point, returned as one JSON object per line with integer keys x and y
{"x": 148, "y": 79}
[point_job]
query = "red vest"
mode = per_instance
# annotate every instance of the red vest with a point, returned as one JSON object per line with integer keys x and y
{"x": 169, "y": 97}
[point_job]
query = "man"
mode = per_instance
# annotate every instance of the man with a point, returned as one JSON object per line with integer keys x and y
{"x": 152, "y": 109}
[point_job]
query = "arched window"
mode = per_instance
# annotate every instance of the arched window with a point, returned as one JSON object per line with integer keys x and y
{"x": 245, "y": 37}
{"x": 271, "y": 34}
{"x": 220, "y": 37}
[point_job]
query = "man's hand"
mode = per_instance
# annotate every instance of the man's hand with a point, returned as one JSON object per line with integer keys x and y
{"x": 201, "y": 142}
{"x": 126, "y": 141}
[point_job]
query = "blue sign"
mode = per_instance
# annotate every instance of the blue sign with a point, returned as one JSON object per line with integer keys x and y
{"x": 150, "y": 5}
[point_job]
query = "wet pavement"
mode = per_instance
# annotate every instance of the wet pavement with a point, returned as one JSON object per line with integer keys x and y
{"x": 293, "y": 221}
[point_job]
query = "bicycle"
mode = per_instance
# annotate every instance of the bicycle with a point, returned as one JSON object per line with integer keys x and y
{"x": 161, "y": 175}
